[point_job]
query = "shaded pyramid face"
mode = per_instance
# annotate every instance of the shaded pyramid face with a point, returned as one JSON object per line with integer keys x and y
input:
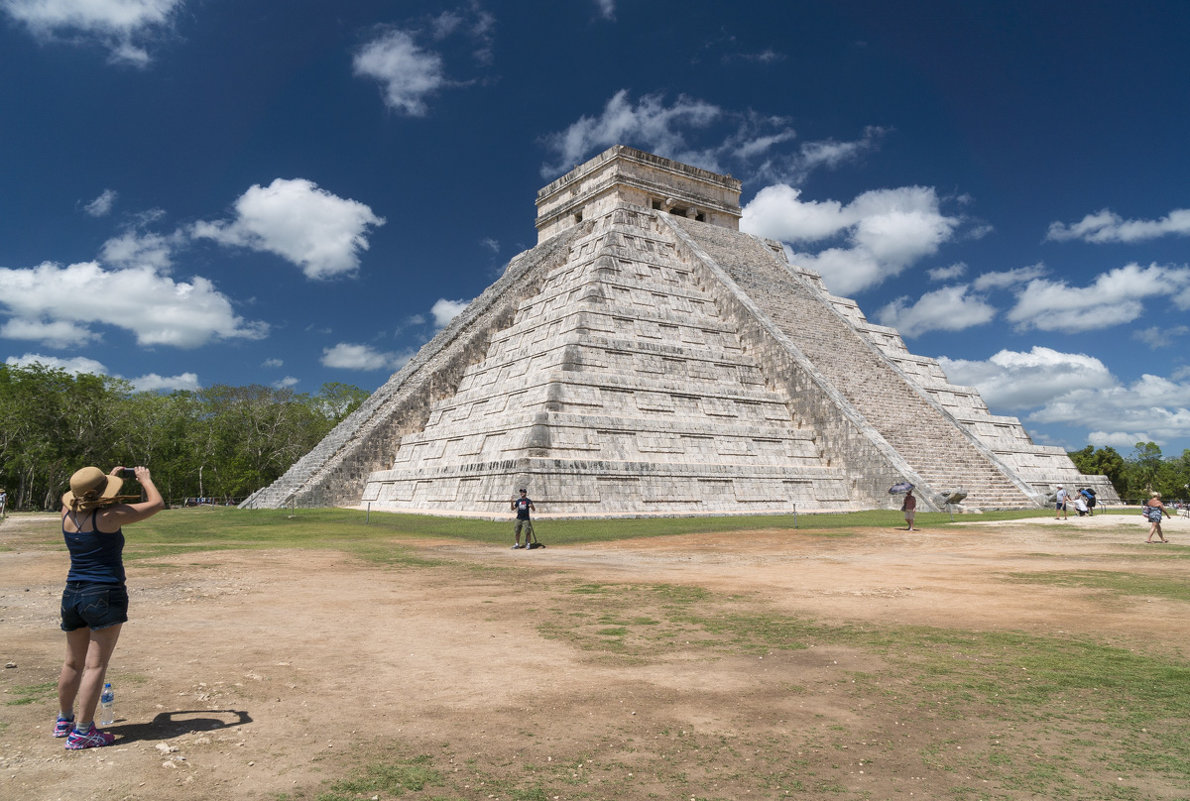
{"x": 906, "y": 426}
{"x": 647, "y": 358}
{"x": 620, "y": 388}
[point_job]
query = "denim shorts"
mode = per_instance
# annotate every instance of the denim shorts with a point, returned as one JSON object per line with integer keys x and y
{"x": 97, "y": 606}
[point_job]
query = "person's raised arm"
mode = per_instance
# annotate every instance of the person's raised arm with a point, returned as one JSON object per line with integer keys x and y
{"x": 124, "y": 513}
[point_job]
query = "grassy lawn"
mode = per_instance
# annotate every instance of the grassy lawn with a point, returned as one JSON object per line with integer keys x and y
{"x": 1123, "y": 583}
{"x": 221, "y": 528}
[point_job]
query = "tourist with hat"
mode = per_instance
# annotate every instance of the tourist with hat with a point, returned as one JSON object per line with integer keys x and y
{"x": 1155, "y": 511}
{"x": 1060, "y": 499}
{"x": 95, "y": 601}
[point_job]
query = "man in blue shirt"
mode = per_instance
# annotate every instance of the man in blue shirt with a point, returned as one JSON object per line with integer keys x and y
{"x": 522, "y": 506}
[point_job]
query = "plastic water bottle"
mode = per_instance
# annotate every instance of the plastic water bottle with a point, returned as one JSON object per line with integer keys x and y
{"x": 107, "y": 706}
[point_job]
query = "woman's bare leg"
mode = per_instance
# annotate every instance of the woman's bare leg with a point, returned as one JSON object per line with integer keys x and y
{"x": 87, "y": 655}
{"x": 77, "y": 642}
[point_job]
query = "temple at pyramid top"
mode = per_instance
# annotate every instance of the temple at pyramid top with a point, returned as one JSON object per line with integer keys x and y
{"x": 625, "y": 175}
{"x": 646, "y": 357}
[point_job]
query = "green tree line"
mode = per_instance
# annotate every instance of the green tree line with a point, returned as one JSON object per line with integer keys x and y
{"x": 1145, "y": 470}
{"x": 223, "y": 442}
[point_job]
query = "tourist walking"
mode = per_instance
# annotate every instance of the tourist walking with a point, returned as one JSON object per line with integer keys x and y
{"x": 522, "y": 506}
{"x": 1155, "y": 511}
{"x": 909, "y": 507}
{"x": 95, "y": 601}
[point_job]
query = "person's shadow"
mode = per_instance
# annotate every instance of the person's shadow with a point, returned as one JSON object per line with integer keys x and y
{"x": 172, "y": 724}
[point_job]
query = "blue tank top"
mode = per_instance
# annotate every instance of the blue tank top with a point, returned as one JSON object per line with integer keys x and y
{"x": 95, "y": 556}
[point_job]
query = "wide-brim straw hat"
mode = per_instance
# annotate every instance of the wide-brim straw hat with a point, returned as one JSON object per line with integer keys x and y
{"x": 91, "y": 487}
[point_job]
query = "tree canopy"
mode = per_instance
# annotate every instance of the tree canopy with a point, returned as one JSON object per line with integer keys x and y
{"x": 222, "y": 442}
{"x": 1145, "y": 471}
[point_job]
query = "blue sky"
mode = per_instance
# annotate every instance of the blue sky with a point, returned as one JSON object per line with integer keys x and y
{"x": 195, "y": 192}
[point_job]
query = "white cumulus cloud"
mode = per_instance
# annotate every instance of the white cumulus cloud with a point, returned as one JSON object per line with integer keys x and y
{"x": 1107, "y": 226}
{"x": 134, "y": 249}
{"x": 350, "y": 356}
{"x": 1018, "y": 380}
{"x": 151, "y": 382}
{"x": 407, "y": 73}
{"x": 831, "y": 153}
{"x": 748, "y": 143}
{"x": 778, "y": 212}
{"x": 939, "y": 274}
{"x": 296, "y": 220}
{"x": 1152, "y": 408}
{"x": 650, "y": 124}
{"x": 155, "y": 308}
{"x": 122, "y": 26}
{"x": 883, "y": 231}
{"x": 947, "y": 309}
{"x": 446, "y": 310}
{"x": 762, "y": 160}
{"x": 1008, "y": 279}
{"x": 74, "y": 365}
{"x": 1078, "y": 390}
{"x": 102, "y": 205}
{"x": 1157, "y": 336}
{"x": 1115, "y": 297}
{"x": 55, "y": 333}
{"x": 1122, "y": 441}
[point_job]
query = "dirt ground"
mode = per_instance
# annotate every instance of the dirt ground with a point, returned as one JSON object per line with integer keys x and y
{"x": 274, "y": 674}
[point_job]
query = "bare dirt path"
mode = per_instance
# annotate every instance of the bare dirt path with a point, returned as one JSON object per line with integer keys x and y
{"x": 268, "y": 674}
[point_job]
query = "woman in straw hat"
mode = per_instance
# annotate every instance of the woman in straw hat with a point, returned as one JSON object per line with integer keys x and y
{"x": 95, "y": 601}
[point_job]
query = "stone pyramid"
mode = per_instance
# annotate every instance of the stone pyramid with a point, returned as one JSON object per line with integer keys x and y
{"x": 647, "y": 358}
